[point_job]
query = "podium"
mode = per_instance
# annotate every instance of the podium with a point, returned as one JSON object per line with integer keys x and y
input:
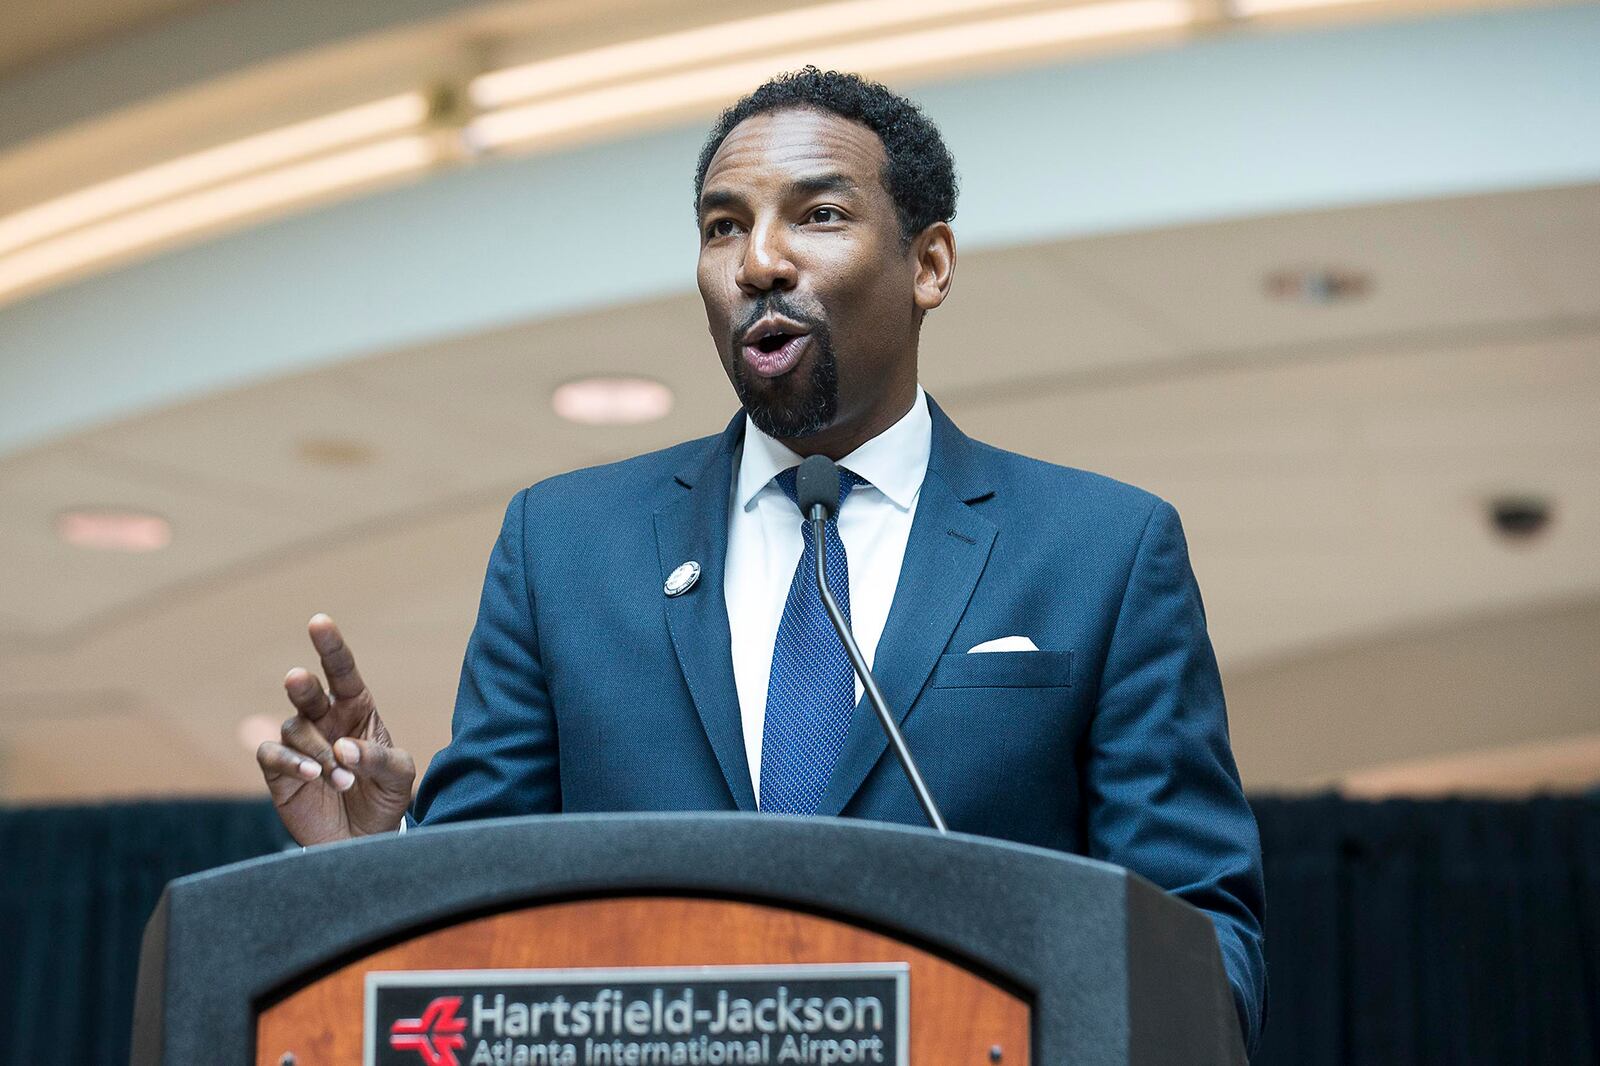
{"x": 695, "y": 938}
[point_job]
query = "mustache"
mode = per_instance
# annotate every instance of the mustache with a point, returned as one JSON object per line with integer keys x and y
{"x": 775, "y": 303}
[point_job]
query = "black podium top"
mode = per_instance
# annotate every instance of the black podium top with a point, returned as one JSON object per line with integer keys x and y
{"x": 1117, "y": 971}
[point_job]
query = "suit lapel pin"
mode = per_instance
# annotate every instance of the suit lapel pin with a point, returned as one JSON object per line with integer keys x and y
{"x": 682, "y": 579}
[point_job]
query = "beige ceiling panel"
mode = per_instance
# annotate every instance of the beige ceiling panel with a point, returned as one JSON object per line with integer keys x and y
{"x": 1167, "y": 430}
{"x": 1431, "y": 269}
{"x": 53, "y": 587}
{"x": 1416, "y": 560}
{"x": 1553, "y": 238}
{"x": 1483, "y": 411}
{"x": 101, "y": 756}
{"x": 1570, "y": 764}
{"x": 1487, "y": 681}
{"x": 495, "y": 388}
{"x": 327, "y": 451}
{"x": 405, "y": 599}
{"x": 1024, "y": 313}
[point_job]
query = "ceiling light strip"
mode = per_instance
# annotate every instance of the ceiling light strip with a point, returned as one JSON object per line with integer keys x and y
{"x": 633, "y": 59}
{"x": 62, "y": 236}
{"x": 259, "y": 192}
{"x": 273, "y": 148}
{"x": 1252, "y": 8}
{"x": 880, "y": 56}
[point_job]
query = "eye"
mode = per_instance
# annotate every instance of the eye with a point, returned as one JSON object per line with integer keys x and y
{"x": 716, "y": 228}
{"x": 834, "y": 211}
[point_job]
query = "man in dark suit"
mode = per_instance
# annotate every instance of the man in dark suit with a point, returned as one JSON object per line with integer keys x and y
{"x": 650, "y": 638}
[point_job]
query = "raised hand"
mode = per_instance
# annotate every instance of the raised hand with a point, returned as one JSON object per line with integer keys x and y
{"x": 336, "y": 774}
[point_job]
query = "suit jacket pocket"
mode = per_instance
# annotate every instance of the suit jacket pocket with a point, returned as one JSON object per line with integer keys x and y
{"x": 1004, "y": 669}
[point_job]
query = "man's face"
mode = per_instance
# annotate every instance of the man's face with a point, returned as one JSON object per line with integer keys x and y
{"x": 810, "y": 298}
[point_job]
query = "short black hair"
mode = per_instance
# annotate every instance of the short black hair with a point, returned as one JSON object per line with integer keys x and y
{"x": 920, "y": 175}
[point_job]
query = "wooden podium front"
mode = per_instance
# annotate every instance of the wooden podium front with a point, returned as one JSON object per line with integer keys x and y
{"x": 590, "y": 940}
{"x": 955, "y": 1015}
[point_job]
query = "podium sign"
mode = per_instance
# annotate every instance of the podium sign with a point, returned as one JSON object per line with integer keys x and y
{"x": 840, "y": 1013}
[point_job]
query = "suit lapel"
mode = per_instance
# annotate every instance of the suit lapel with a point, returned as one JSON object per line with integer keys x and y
{"x": 695, "y": 526}
{"x": 945, "y": 555}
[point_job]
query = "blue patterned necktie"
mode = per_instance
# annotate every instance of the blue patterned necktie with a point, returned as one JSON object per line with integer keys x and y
{"x": 812, "y": 691}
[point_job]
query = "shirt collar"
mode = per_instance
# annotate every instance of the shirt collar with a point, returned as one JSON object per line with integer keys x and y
{"x": 894, "y": 461}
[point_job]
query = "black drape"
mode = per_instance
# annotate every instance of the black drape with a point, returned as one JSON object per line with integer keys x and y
{"x": 77, "y": 886}
{"x": 1461, "y": 932}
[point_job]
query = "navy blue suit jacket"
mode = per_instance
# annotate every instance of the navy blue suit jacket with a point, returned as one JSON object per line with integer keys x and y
{"x": 586, "y": 689}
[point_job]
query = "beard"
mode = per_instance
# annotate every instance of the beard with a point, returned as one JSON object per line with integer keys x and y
{"x": 796, "y": 404}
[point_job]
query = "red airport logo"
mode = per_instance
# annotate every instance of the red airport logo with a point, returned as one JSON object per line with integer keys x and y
{"x": 436, "y": 1036}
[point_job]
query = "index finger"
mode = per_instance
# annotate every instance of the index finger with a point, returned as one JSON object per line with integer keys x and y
{"x": 338, "y": 663}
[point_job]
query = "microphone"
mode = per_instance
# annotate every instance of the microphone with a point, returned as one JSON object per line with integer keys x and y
{"x": 817, "y": 491}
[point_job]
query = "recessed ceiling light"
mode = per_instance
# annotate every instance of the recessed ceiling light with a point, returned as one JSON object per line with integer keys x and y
{"x": 711, "y": 67}
{"x": 249, "y": 196}
{"x": 1318, "y": 285}
{"x": 612, "y": 401}
{"x": 111, "y": 529}
{"x": 1520, "y": 516}
{"x": 166, "y": 180}
{"x": 335, "y": 451}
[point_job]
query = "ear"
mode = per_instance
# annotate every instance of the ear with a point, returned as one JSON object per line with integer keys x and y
{"x": 933, "y": 252}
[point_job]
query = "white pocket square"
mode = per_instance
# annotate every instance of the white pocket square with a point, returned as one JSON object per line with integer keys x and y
{"x": 1005, "y": 644}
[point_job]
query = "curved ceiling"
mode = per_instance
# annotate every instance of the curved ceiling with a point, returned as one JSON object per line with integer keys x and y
{"x": 1333, "y": 465}
{"x": 332, "y": 409}
{"x": 1370, "y": 114}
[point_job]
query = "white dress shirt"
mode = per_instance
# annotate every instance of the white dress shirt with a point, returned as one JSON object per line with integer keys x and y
{"x": 765, "y": 544}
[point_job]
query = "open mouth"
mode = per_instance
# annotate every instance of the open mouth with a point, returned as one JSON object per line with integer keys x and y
{"x": 775, "y": 354}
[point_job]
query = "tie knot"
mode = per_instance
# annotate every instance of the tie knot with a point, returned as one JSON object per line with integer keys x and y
{"x": 848, "y": 479}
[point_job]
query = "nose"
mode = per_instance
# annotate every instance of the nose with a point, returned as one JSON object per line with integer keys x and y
{"x": 765, "y": 264}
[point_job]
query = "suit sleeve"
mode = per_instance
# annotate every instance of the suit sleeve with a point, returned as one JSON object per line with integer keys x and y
{"x": 502, "y": 758}
{"x": 1165, "y": 795}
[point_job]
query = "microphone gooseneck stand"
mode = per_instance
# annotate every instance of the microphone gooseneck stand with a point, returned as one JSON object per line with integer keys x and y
{"x": 821, "y": 500}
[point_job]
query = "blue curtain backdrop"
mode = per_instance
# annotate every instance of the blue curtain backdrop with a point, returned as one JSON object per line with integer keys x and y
{"x": 76, "y": 887}
{"x": 1460, "y": 932}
